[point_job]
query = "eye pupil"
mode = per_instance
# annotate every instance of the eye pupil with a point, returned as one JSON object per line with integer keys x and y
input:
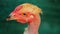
{"x": 24, "y": 14}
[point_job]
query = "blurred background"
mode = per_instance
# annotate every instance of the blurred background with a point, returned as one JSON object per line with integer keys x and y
{"x": 50, "y": 19}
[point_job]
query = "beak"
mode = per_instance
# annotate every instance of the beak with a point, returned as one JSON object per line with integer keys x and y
{"x": 9, "y": 18}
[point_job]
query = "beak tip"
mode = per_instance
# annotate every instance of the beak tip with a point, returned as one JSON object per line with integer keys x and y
{"x": 7, "y": 19}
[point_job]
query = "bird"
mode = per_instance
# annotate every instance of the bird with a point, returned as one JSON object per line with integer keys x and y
{"x": 27, "y": 13}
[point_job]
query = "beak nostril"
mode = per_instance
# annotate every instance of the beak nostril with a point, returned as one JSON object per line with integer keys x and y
{"x": 8, "y": 17}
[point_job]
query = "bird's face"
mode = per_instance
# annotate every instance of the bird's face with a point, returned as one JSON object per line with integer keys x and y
{"x": 22, "y": 17}
{"x": 24, "y": 13}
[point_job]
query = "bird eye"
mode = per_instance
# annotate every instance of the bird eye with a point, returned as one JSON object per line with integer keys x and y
{"x": 24, "y": 14}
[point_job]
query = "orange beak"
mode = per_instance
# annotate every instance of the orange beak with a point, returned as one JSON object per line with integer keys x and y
{"x": 10, "y": 18}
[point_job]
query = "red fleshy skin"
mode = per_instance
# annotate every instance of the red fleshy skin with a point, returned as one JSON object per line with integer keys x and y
{"x": 20, "y": 17}
{"x": 17, "y": 9}
{"x": 21, "y": 20}
{"x": 24, "y": 19}
{"x": 31, "y": 16}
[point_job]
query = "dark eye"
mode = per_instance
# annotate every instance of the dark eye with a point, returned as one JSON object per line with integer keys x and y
{"x": 24, "y": 14}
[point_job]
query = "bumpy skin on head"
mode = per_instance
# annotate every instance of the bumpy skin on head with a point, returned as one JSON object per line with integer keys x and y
{"x": 28, "y": 9}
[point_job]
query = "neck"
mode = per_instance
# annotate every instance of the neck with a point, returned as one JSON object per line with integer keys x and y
{"x": 34, "y": 26}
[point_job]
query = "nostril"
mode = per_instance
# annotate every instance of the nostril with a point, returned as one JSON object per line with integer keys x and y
{"x": 8, "y": 17}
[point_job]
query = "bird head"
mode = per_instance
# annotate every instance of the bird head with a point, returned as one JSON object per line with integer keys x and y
{"x": 22, "y": 17}
{"x": 24, "y": 13}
